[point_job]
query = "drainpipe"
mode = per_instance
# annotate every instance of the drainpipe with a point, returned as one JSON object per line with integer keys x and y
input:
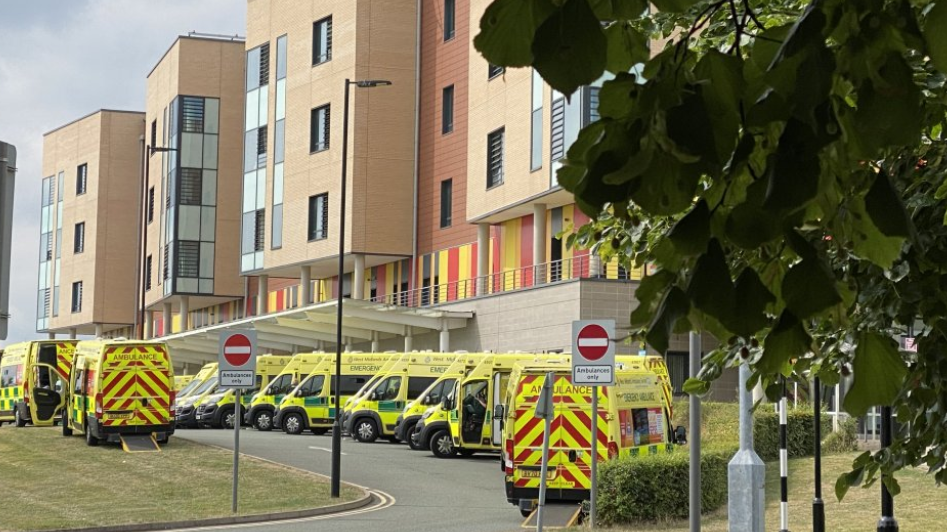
{"x": 417, "y": 137}
{"x": 140, "y": 225}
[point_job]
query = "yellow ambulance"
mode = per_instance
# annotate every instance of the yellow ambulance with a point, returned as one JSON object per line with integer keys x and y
{"x": 633, "y": 420}
{"x": 311, "y": 405}
{"x": 408, "y": 423}
{"x": 217, "y": 409}
{"x": 263, "y": 404}
{"x": 205, "y": 372}
{"x": 180, "y": 381}
{"x": 376, "y": 413}
{"x": 186, "y": 407}
{"x": 33, "y": 377}
{"x": 119, "y": 388}
{"x": 385, "y": 368}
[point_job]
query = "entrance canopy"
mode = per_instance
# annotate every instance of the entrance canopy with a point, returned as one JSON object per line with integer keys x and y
{"x": 313, "y": 328}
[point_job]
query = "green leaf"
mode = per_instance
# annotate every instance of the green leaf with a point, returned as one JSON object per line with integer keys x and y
{"x": 809, "y": 288}
{"x": 879, "y": 372}
{"x": 786, "y": 341}
{"x": 569, "y": 47}
{"x": 722, "y": 77}
{"x": 673, "y": 6}
{"x": 710, "y": 287}
{"x": 617, "y": 96}
{"x": 629, "y": 9}
{"x": 694, "y": 386}
{"x": 674, "y": 307}
{"x": 693, "y": 130}
{"x": 647, "y": 294}
{"x": 750, "y": 226}
{"x": 793, "y": 172}
{"x": 892, "y": 484}
{"x": 666, "y": 187}
{"x": 889, "y": 107}
{"x": 886, "y": 209}
{"x": 867, "y": 241}
{"x": 935, "y": 33}
{"x": 692, "y": 232}
{"x": 848, "y": 480}
{"x": 751, "y": 298}
{"x": 507, "y": 29}
{"x": 626, "y": 47}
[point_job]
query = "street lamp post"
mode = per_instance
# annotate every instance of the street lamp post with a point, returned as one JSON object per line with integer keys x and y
{"x": 337, "y": 423}
{"x": 143, "y": 252}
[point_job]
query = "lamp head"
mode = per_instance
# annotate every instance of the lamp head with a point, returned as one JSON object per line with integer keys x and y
{"x": 368, "y": 83}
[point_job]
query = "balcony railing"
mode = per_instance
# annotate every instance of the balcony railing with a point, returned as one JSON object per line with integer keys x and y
{"x": 510, "y": 280}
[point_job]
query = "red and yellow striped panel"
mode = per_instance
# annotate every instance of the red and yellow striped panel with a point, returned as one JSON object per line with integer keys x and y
{"x": 136, "y": 388}
{"x": 65, "y": 352}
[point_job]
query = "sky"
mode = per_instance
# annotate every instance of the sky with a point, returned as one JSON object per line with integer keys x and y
{"x": 63, "y": 59}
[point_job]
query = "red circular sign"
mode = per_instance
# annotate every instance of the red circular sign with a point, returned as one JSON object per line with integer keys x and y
{"x": 592, "y": 342}
{"x": 237, "y": 350}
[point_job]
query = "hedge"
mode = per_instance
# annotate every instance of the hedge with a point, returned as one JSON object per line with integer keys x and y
{"x": 654, "y": 487}
{"x": 800, "y": 438}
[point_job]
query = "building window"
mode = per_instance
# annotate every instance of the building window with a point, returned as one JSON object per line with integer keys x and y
{"x": 319, "y": 129}
{"x": 190, "y": 186}
{"x": 494, "y": 71}
{"x": 154, "y": 133}
{"x": 447, "y": 110}
{"x": 151, "y": 204}
{"x": 259, "y": 226}
{"x": 447, "y": 193}
{"x": 450, "y": 16}
{"x": 318, "y": 217}
{"x": 495, "y": 158}
{"x": 261, "y": 147}
{"x": 189, "y": 254}
{"x": 82, "y": 176}
{"x": 148, "y": 273}
{"x": 78, "y": 242}
{"x": 322, "y": 41}
{"x": 536, "y": 123}
{"x": 264, "y": 64}
{"x": 192, "y": 114}
{"x": 77, "y": 296}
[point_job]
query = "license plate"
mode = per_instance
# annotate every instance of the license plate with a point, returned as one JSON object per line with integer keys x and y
{"x": 527, "y": 473}
{"x": 118, "y": 416}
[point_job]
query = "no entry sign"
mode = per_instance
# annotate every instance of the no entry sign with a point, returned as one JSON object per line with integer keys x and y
{"x": 593, "y": 352}
{"x": 237, "y": 360}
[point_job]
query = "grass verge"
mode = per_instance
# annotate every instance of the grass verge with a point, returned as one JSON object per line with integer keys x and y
{"x": 920, "y": 507}
{"x": 55, "y": 482}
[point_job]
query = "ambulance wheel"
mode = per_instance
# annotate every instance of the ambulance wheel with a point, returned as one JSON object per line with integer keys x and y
{"x": 441, "y": 444}
{"x": 20, "y": 422}
{"x": 228, "y": 418}
{"x": 365, "y": 430}
{"x": 263, "y": 420}
{"x": 526, "y": 513}
{"x": 66, "y": 431}
{"x": 90, "y": 439}
{"x": 164, "y": 440}
{"x": 293, "y": 424}
{"x": 413, "y": 440}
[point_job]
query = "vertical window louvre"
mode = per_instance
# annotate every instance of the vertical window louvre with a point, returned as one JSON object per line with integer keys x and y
{"x": 494, "y": 71}
{"x": 558, "y": 130}
{"x": 76, "y": 296}
{"x": 154, "y": 133}
{"x": 261, "y": 147}
{"x": 188, "y": 259}
{"x": 264, "y": 64}
{"x": 79, "y": 238}
{"x": 319, "y": 129}
{"x": 151, "y": 204}
{"x": 495, "y": 158}
{"x": 450, "y": 13}
{"x": 447, "y": 110}
{"x": 446, "y": 202}
{"x": 322, "y": 41}
{"x": 259, "y": 225}
{"x": 192, "y": 111}
{"x": 593, "y": 104}
{"x": 166, "y": 273}
{"x": 190, "y": 186}
{"x": 148, "y": 273}
{"x": 81, "y": 180}
{"x": 318, "y": 217}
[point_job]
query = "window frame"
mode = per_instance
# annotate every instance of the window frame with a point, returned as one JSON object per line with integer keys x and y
{"x": 501, "y": 131}
{"x": 447, "y": 126}
{"x": 494, "y": 71}
{"x": 76, "y": 303}
{"x": 450, "y": 30}
{"x": 82, "y": 179}
{"x": 312, "y": 205}
{"x": 447, "y": 185}
{"x": 327, "y": 55}
{"x": 78, "y": 238}
{"x": 327, "y": 124}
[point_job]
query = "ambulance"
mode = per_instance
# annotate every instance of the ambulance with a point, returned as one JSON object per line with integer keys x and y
{"x": 431, "y": 397}
{"x": 263, "y": 404}
{"x": 472, "y": 430}
{"x": 347, "y": 405}
{"x": 120, "y": 388}
{"x": 217, "y": 409}
{"x": 633, "y": 420}
{"x": 196, "y": 380}
{"x": 185, "y": 407}
{"x": 33, "y": 377}
{"x": 376, "y": 412}
{"x": 311, "y": 405}
{"x": 180, "y": 381}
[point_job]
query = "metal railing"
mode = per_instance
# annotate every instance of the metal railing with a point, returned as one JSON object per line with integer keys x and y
{"x": 581, "y": 267}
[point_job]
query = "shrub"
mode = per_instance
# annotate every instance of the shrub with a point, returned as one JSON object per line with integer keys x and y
{"x": 845, "y": 439}
{"x": 654, "y": 487}
{"x": 800, "y": 438}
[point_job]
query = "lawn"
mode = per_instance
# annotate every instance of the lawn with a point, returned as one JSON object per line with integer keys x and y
{"x": 921, "y": 506}
{"x": 54, "y": 482}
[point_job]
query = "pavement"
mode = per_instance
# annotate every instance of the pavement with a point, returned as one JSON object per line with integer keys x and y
{"x": 413, "y": 489}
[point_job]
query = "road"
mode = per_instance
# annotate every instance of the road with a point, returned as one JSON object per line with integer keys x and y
{"x": 430, "y": 494}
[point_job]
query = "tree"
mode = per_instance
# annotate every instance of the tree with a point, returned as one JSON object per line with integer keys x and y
{"x": 782, "y": 165}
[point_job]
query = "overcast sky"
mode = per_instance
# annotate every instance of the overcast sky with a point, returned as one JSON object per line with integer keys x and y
{"x": 63, "y": 59}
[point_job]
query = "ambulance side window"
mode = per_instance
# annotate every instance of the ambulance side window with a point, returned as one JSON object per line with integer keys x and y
{"x": 80, "y": 380}
{"x": 256, "y": 384}
{"x": 436, "y": 394}
{"x": 312, "y": 386}
{"x": 389, "y": 388}
{"x": 351, "y": 384}
{"x": 416, "y": 385}
{"x": 6, "y": 377}
{"x": 280, "y": 385}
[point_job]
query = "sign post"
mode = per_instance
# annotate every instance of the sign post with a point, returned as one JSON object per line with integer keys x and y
{"x": 236, "y": 370}
{"x": 593, "y": 362}
{"x": 544, "y": 411}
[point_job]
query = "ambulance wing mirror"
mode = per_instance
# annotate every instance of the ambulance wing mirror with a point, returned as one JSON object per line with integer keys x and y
{"x": 447, "y": 403}
{"x": 680, "y": 435}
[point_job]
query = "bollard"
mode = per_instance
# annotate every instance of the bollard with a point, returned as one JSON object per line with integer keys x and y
{"x": 818, "y": 506}
{"x": 746, "y": 472}
{"x": 783, "y": 464}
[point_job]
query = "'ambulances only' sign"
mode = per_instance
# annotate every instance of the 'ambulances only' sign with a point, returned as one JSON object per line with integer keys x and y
{"x": 593, "y": 352}
{"x": 237, "y": 361}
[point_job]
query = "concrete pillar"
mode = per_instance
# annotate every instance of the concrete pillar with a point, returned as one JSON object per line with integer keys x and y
{"x": 99, "y": 330}
{"x": 305, "y": 285}
{"x": 166, "y": 318}
{"x": 539, "y": 243}
{"x": 408, "y": 340}
{"x": 595, "y": 265}
{"x": 51, "y": 335}
{"x": 72, "y": 334}
{"x": 483, "y": 258}
{"x": 375, "y": 343}
{"x": 149, "y": 324}
{"x": 262, "y": 295}
{"x": 348, "y": 344}
{"x": 444, "y": 344}
{"x": 358, "y": 278}
{"x": 184, "y": 309}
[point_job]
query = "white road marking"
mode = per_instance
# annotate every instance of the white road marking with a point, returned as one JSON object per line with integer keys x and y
{"x": 324, "y": 449}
